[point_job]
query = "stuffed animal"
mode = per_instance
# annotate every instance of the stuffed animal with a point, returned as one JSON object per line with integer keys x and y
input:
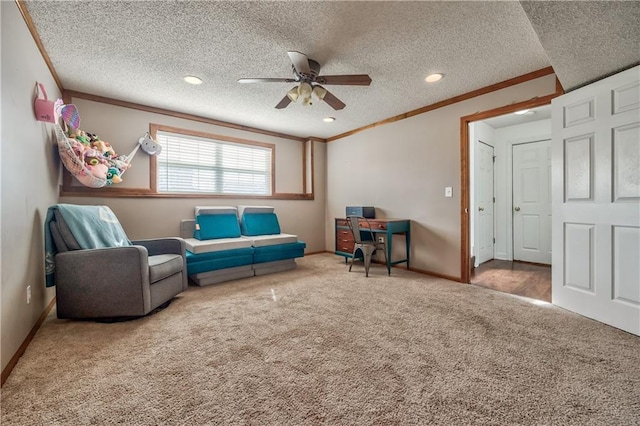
{"x": 113, "y": 176}
{"x": 78, "y": 148}
{"x": 103, "y": 147}
{"x": 69, "y": 114}
{"x": 121, "y": 162}
{"x": 91, "y": 161}
{"x": 93, "y": 157}
{"x": 149, "y": 146}
{"x": 79, "y": 135}
{"x": 99, "y": 158}
{"x": 99, "y": 170}
{"x": 93, "y": 137}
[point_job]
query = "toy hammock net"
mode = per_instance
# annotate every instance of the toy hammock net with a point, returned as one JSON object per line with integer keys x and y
{"x": 73, "y": 156}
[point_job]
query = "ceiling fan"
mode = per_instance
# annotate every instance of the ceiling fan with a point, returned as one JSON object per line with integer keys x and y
{"x": 305, "y": 72}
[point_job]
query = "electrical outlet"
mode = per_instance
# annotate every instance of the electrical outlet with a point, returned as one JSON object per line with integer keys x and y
{"x": 28, "y": 294}
{"x": 381, "y": 239}
{"x": 448, "y": 192}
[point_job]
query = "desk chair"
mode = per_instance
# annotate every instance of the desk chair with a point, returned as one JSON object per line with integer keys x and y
{"x": 365, "y": 241}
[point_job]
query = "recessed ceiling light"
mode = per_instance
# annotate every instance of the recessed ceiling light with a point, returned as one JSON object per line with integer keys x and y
{"x": 329, "y": 119}
{"x": 432, "y": 78}
{"x": 192, "y": 79}
{"x": 522, "y": 112}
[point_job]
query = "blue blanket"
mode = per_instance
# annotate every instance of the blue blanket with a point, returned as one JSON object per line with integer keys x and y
{"x": 92, "y": 227}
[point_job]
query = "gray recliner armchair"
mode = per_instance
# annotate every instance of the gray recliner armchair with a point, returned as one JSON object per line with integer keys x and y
{"x": 115, "y": 282}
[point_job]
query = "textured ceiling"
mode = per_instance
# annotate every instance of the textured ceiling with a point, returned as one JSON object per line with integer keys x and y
{"x": 587, "y": 40}
{"x": 139, "y": 51}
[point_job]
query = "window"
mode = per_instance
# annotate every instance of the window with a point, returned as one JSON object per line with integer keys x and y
{"x": 211, "y": 164}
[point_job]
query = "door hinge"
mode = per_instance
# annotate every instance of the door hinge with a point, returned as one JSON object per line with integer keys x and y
{"x": 494, "y": 158}
{"x": 494, "y": 199}
{"x": 494, "y": 241}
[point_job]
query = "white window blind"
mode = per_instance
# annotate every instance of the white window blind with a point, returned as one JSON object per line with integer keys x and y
{"x": 192, "y": 164}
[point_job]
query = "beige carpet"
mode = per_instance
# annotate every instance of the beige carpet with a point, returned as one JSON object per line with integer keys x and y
{"x": 320, "y": 345}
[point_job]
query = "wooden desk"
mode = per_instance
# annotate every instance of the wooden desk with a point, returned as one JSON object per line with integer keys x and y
{"x": 386, "y": 227}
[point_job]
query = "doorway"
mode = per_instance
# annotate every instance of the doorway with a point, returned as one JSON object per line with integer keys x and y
{"x": 509, "y": 200}
{"x": 531, "y": 165}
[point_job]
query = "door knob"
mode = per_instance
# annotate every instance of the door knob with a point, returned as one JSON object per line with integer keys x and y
{"x": 517, "y": 209}
{"x": 481, "y": 209}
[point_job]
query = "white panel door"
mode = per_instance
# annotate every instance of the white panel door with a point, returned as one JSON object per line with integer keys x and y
{"x": 484, "y": 202}
{"x": 596, "y": 201}
{"x": 532, "y": 202}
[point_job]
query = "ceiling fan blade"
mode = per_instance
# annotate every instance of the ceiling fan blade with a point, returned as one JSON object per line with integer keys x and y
{"x": 333, "y": 102}
{"x": 349, "y": 80}
{"x": 266, "y": 80}
{"x": 283, "y": 103}
{"x": 300, "y": 62}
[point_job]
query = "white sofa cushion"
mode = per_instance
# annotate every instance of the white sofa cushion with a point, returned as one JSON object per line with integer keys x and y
{"x": 205, "y": 246}
{"x": 272, "y": 240}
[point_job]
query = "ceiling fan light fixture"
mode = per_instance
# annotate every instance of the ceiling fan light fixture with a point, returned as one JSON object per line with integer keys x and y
{"x": 305, "y": 90}
{"x": 192, "y": 79}
{"x": 319, "y": 91}
{"x": 432, "y": 78}
{"x": 293, "y": 94}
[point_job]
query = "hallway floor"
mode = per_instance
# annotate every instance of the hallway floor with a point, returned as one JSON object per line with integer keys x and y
{"x": 522, "y": 279}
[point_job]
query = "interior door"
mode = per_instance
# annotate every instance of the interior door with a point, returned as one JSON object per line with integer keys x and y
{"x": 484, "y": 202}
{"x": 532, "y": 202}
{"x": 596, "y": 200}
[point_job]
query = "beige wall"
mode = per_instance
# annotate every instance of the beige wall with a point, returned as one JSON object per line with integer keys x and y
{"x": 30, "y": 174}
{"x": 156, "y": 217}
{"x": 403, "y": 168}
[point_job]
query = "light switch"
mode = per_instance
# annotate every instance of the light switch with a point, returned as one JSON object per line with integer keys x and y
{"x": 448, "y": 192}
